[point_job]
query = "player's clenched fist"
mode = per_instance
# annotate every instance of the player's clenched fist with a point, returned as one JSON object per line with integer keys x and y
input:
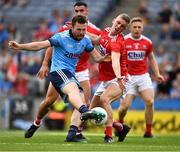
{"x": 122, "y": 82}
{"x": 14, "y": 45}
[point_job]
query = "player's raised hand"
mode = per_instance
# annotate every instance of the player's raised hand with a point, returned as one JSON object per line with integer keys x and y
{"x": 43, "y": 72}
{"x": 68, "y": 24}
{"x": 14, "y": 45}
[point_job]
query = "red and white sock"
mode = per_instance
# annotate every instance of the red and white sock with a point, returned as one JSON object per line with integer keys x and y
{"x": 121, "y": 121}
{"x": 80, "y": 129}
{"x": 118, "y": 126}
{"x": 37, "y": 122}
{"x": 148, "y": 128}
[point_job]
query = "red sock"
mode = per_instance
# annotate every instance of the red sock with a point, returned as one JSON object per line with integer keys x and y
{"x": 121, "y": 121}
{"x": 37, "y": 122}
{"x": 80, "y": 128}
{"x": 118, "y": 126}
{"x": 148, "y": 128}
{"x": 108, "y": 131}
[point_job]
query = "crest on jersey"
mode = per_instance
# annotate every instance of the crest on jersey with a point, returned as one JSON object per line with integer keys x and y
{"x": 144, "y": 47}
{"x": 136, "y": 46}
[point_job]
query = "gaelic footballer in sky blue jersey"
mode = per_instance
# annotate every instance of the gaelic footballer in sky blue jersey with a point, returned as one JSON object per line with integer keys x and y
{"x": 67, "y": 50}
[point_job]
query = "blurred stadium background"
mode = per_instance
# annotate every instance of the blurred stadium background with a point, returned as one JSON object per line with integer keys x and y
{"x": 31, "y": 20}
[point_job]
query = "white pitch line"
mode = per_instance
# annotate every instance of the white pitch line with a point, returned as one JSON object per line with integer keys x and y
{"x": 111, "y": 145}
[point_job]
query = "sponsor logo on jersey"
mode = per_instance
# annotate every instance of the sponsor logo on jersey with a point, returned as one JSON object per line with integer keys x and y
{"x": 136, "y": 55}
{"x": 71, "y": 55}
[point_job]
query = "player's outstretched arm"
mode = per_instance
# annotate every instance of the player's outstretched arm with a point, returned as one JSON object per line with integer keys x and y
{"x": 94, "y": 38}
{"x": 44, "y": 70}
{"x": 115, "y": 57}
{"x": 116, "y": 63}
{"x": 97, "y": 57}
{"x": 33, "y": 46}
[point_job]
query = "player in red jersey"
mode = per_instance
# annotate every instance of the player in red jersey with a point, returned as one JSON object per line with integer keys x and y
{"x": 82, "y": 76}
{"x": 139, "y": 49}
{"x": 113, "y": 75}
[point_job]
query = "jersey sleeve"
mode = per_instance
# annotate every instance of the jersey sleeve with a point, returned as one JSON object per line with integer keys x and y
{"x": 89, "y": 46}
{"x": 93, "y": 29}
{"x": 63, "y": 28}
{"x": 55, "y": 40}
{"x": 116, "y": 47}
{"x": 151, "y": 47}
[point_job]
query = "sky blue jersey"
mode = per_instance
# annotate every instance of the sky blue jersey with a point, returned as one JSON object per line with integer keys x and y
{"x": 67, "y": 50}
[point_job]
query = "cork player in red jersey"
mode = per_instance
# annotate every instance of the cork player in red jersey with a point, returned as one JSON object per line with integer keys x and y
{"x": 139, "y": 49}
{"x": 113, "y": 75}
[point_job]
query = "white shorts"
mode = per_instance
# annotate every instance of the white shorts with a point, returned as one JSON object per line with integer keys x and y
{"x": 140, "y": 83}
{"x": 82, "y": 76}
{"x": 103, "y": 86}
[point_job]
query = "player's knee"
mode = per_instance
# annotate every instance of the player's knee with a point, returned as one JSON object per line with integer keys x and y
{"x": 48, "y": 101}
{"x": 149, "y": 102}
{"x": 123, "y": 108}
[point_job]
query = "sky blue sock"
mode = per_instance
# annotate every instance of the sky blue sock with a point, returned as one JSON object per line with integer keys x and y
{"x": 83, "y": 109}
{"x": 72, "y": 132}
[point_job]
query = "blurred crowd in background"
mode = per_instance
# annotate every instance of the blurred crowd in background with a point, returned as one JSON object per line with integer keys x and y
{"x": 18, "y": 71}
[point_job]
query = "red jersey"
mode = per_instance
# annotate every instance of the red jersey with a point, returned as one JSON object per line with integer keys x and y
{"x": 137, "y": 52}
{"x": 42, "y": 34}
{"x": 108, "y": 44}
{"x": 84, "y": 58}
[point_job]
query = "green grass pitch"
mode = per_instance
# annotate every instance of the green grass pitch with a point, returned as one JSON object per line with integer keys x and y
{"x": 54, "y": 141}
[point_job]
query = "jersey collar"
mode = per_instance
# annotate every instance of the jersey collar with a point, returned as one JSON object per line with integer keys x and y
{"x": 135, "y": 38}
{"x": 71, "y": 35}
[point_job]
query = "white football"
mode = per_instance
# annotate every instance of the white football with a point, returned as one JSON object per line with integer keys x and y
{"x": 104, "y": 118}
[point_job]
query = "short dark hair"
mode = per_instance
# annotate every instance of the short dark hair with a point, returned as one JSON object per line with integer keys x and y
{"x": 136, "y": 19}
{"x": 125, "y": 17}
{"x": 80, "y": 4}
{"x": 79, "y": 19}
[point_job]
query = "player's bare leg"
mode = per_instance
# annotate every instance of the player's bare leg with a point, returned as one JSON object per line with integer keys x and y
{"x": 50, "y": 98}
{"x": 124, "y": 105}
{"x": 95, "y": 102}
{"x": 87, "y": 91}
{"x": 123, "y": 108}
{"x": 110, "y": 94}
{"x": 75, "y": 123}
{"x": 148, "y": 97}
{"x": 86, "y": 98}
{"x": 75, "y": 115}
{"x": 77, "y": 100}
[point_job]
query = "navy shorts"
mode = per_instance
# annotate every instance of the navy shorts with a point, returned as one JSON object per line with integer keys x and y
{"x": 60, "y": 79}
